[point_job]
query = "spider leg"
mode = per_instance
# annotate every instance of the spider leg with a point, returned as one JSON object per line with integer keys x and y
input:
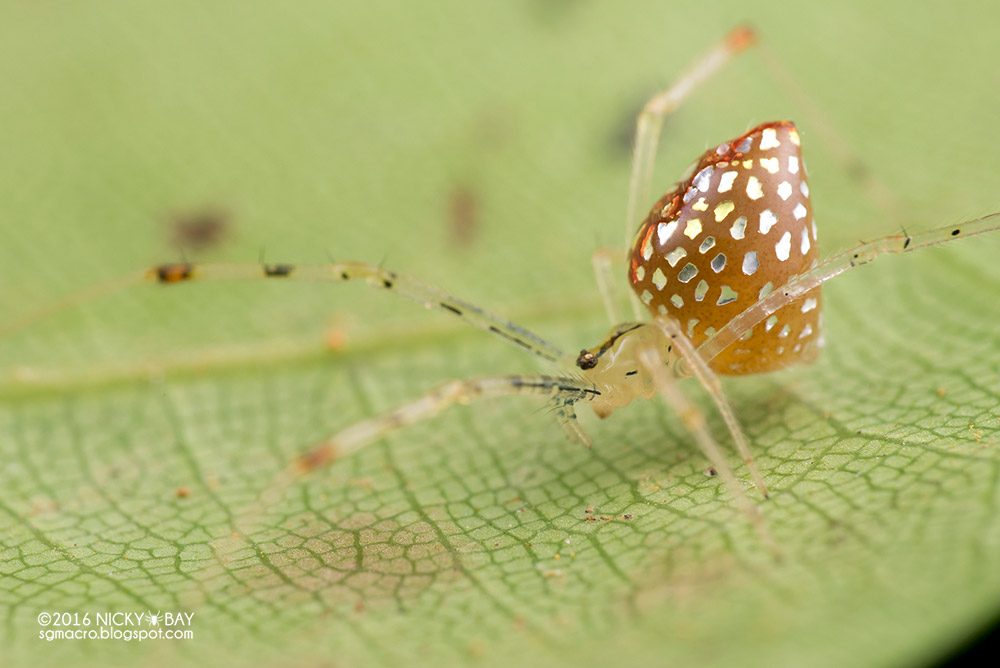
{"x": 650, "y": 123}
{"x": 564, "y": 390}
{"x": 799, "y": 285}
{"x": 650, "y": 357}
{"x": 697, "y": 366}
{"x": 604, "y": 260}
{"x": 560, "y": 389}
{"x": 375, "y": 276}
{"x": 565, "y": 412}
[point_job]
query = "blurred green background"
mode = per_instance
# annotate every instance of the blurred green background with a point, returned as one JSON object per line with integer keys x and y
{"x": 483, "y": 147}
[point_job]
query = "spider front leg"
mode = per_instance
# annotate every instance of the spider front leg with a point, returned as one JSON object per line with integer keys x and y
{"x": 565, "y": 412}
{"x": 656, "y": 348}
{"x": 564, "y": 390}
{"x": 430, "y": 297}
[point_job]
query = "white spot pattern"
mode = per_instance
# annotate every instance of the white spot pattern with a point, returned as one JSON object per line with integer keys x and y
{"x": 687, "y": 273}
{"x": 664, "y": 231}
{"x": 719, "y": 262}
{"x": 767, "y": 221}
{"x": 674, "y": 256}
{"x": 659, "y": 279}
{"x": 726, "y": 182}
{"x": 769, "y": 139}
{"x": 703, "y": 178}
{"x": 739, "y": 227}
{"x": 784, "y": 246}
{"x": 693, "y": 228}
{"x": 700, "y": 290}
{"x": 723, "y": 210}
{"x": 727, "y": 296}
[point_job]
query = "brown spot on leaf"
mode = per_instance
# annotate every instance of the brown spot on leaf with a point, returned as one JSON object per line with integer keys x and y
{"x": 463, "y": 215}
{"x": 317, "y": 458}
{"x": 199, "y": 229}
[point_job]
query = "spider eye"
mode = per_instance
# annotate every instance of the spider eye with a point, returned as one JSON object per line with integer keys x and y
{"x": 586, "y": 360}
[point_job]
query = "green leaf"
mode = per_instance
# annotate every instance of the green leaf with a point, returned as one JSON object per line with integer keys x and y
{"x": 139, "y": 432}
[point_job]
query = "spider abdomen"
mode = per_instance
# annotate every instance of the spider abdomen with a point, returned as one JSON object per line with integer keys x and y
{"x": 738, "y": 227}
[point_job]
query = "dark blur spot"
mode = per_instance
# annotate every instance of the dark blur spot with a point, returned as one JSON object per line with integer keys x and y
{"x": 463, "y": 215}
{"x": 858, "y": 170}
{"x": 199, "y": 229}
{"x": 621, "y": 138}
{"x": 553, "y": 13}
{"x": 489, "y": 130}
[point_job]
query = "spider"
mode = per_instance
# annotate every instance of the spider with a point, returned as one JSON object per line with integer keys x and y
{"x": 725, "y": 265}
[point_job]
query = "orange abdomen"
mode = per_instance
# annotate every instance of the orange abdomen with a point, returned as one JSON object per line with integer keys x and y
{"x": 740, "y": 226}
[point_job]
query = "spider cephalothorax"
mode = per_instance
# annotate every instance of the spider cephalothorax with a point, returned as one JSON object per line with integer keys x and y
{"x": 612, "y": 365}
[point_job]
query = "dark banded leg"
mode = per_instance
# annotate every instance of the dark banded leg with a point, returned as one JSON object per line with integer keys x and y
{"x": 375, "y": 276}
{"x": 565, "y": 412}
